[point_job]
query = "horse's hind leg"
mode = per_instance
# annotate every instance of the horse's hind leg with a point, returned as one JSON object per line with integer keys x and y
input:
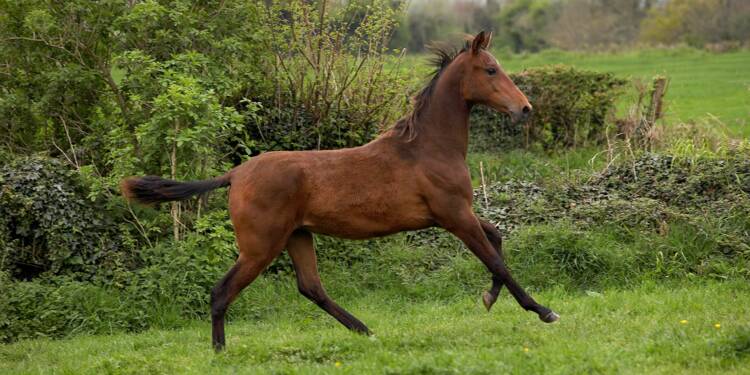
{"x": 493, "y": 235}
{"x": 255, "y": 255}
{"x": 302, "y": 252}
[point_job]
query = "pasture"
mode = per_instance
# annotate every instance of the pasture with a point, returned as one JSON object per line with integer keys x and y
{"x": 695, "y": 328}
{"x": 429, "y": 319}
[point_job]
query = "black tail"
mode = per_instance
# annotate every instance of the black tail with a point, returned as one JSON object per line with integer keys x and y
{"x": 153, "y": 189}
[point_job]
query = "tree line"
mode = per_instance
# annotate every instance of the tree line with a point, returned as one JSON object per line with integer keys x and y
{"x": 532, "y": 25}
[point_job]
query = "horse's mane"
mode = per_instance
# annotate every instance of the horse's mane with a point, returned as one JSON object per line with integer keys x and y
{"x": 443, "y": 55}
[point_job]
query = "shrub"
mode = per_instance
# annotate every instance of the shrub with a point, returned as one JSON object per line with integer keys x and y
{"x": 681, "y": 182}
{"x": 570, "y": 109}
{"x": 334, "y": 76}
{"x": 182, "y": 273}
{"x": 47, "y": 225}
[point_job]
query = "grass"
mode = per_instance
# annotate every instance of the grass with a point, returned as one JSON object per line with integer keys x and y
{"x": 702, "y": 84}
{"x": 610, "y": 331}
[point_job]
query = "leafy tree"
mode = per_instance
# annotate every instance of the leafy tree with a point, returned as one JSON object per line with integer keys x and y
{"x": 521, "y": 25}
{"x": 185, "y": 72}
{"x": 126, "y": 88}
{"x": 184, "y": 89}
{"x": 55, "y": 61}
{"x": 336, "y": 80}
{"x": 584, "y": 24}
{"x": 697, "y": 22}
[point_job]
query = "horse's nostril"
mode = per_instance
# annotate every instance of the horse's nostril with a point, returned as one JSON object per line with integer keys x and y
{"x": 526, "y": 109}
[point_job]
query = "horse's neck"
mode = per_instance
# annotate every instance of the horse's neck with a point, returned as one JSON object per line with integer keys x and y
{"x": 444, "y": 127}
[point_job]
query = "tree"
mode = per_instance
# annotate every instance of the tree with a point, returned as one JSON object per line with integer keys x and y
{"x": 336, "y": 79}
{"x": 521, "y": 25}
{"x": 124, "y": 88}
{"x": 697, "y": 22}
{"x": 585, "y": 24}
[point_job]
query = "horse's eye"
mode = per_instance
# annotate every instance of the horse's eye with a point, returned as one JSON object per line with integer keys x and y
{"x": 491, "y": 71}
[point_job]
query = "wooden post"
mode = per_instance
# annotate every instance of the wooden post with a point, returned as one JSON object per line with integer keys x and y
{"x": 484, "y": 185}
{"x": 173, "y": 165}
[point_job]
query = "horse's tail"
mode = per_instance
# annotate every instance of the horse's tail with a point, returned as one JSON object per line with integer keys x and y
{"x": 154, "y": 189}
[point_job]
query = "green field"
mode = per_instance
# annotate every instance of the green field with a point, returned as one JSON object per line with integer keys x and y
{"x": 695, "y": 328}
{"x": 702, "y": 84}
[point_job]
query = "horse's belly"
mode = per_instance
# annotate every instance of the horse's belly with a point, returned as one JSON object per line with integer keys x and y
{"x": 360, "y": 221}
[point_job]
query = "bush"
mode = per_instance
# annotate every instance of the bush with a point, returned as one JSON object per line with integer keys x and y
{"x": 334, "y": 84}
{"x": 47, "y": 224}
{"x": 571, "y": 107}
{"x": 183, "y": 273}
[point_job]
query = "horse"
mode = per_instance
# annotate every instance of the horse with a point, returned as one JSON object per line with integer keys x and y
{"x": 413, "y": 176}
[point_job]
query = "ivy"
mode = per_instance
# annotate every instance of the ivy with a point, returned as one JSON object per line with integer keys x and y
{"x": 47, "y": 224}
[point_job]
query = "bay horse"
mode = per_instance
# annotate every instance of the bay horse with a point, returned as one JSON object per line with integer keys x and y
{"x": 411, "y": 177}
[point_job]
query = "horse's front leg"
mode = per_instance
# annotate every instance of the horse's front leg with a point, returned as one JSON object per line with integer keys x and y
{"x": 468, "y": 228}
{"x": 496, "y": 240}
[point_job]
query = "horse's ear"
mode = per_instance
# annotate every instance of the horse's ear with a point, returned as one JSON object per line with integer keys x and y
{"x": 480, "y": 42}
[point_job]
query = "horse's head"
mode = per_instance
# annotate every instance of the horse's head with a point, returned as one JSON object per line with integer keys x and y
{"x": 485, "y": 82}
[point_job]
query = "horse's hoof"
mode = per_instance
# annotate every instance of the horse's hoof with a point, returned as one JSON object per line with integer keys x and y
{"x": 488, "y": 300}
{"x": 551, "y": 317}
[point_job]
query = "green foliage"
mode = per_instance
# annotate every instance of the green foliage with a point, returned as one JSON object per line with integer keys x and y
{"x": 92, "y": 81}
{"x": 32, "y": 309}
{"x": 336, "y": 81}
{"x": 683, "y": 183}
{"x": 562, "y": 254}
{"x": 522, "y": 23}
{"x": 55, "y": 60}
{"x": 170, "y": 285}
{"x": 47, "y": 224}
{"x": 697, "y": 22}
{"x": 186, "y": 74}
{"x": 180, "y": 275}
{"x": 571, "y": 109}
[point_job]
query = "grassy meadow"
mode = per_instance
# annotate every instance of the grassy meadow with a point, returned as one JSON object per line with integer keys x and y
{"x": 697, "y": 328}
{"x": 428, "y": 318}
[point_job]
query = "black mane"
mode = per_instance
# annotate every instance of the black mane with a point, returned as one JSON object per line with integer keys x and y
{"x": 443, "y": 56}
